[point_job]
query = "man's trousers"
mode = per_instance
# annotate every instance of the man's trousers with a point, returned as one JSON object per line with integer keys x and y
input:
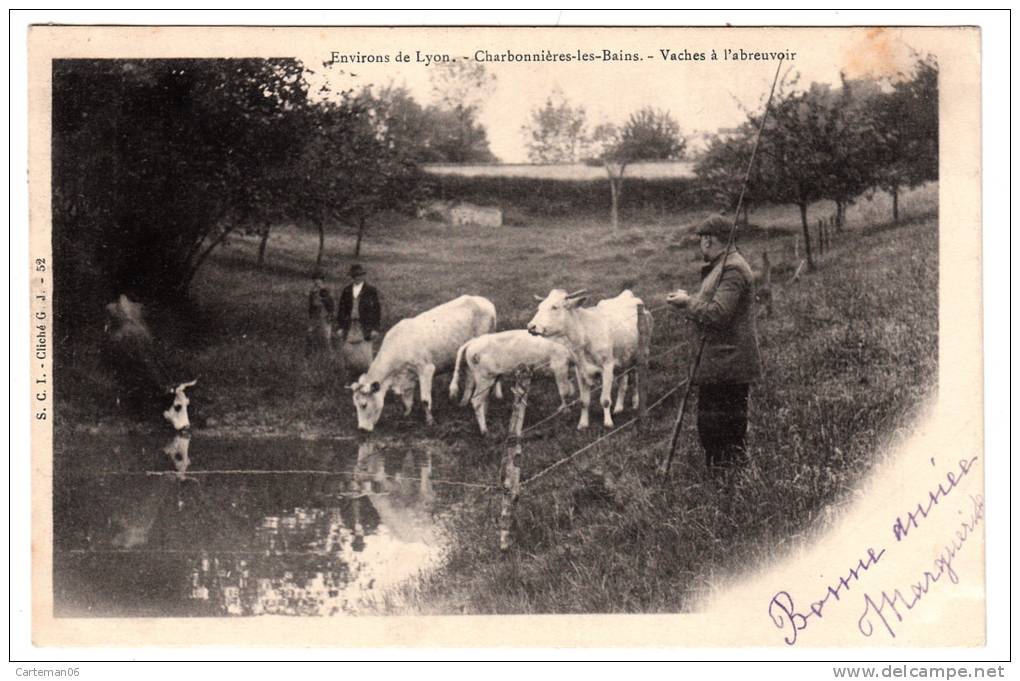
{"x": 722, "y": 423}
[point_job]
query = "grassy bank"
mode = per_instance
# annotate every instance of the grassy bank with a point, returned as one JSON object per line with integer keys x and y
{"x": 850, "y": 357}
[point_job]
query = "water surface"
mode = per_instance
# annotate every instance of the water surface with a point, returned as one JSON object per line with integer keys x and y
{"x": 145, "y": 526}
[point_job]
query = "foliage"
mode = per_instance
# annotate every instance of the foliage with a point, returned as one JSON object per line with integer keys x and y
{"x": 832, "y": 143}
{"x": 557, "y": 131}
{"x": 459, "y": 88}
{"x": 180, "y": 154}
{"x": 907, "y": 126}
{"x": 648, "y": 135}
{"x": 153, "y": 160}
{"x": 356, "y": 163}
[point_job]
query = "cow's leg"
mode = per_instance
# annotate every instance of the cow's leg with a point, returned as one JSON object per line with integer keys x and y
{"x": 621, "y": 393}
{"x": 499, "y": 390}
{"x": 635, "y": 400}
{"x": 469, "y": 387}
{"x": 584, "y": 385}
{"x": 607, "y": 393}
{"x": 407, "y": 397}
{"x": 563, "y": 386}
{"x": 425, "y": 374}
{"x": 481, "y": 402}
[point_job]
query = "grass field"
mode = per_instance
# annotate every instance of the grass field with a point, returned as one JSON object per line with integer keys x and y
{"x": 850, "y": 358}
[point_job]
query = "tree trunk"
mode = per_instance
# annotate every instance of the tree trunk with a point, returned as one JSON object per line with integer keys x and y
{"x": 896, "y": 205}
{"x": 322, "y": 244}
{"x": 361, "y": 233}
{"x": 807, "y": 235}
{"x": 840, "y": 215}
{"x": 614, "y": 211}
{"x": 615, "y": 191}
{"x": 262, "y": 247}
{"x": 190, "y": 276}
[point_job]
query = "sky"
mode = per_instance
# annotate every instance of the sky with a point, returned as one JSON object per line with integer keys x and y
{"x": 702, "y": 94}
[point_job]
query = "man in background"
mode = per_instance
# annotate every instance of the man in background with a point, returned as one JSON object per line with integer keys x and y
{"x": 723, "y": 310}
{"x": 359, "y": 317}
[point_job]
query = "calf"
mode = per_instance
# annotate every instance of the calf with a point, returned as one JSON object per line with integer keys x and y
{"x": 498, "y": 354}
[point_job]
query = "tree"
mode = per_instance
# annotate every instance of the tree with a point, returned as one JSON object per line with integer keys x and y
{"x": 722, "y": 166}
{"x": 795, "y": 153}
{"x": 156, "y": 161}
{"x": 855, "y": 141}
{"x": 388, "y": 175}
{"x": 648, "y": 135}
{"x": 557, "y": 131}
{"x": 908, "y": 130}
{"x": 459, "y": 89}
{"x": 358, "y": 162}
{"x": 461, "y": 84}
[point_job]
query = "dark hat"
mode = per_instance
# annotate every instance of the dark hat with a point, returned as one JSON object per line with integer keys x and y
{"x": 357, "y": 270}
{"x": 716, "y": 225}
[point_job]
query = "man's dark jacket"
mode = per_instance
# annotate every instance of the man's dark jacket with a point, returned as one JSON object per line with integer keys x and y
{"x": 731, "y": 352}
{"x": 369, "y": 310}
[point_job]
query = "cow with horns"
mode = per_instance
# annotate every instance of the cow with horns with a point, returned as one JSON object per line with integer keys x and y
{"x": 602, "y": 339}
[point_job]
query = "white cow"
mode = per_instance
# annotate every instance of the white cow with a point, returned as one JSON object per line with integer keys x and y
{"x": 499, "y": 354}
{"x": 602, "y": 339}
{"x": 419, "y": 347}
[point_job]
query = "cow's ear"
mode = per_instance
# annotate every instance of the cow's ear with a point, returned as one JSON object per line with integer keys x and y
{"x": 375, "y": 386}
{"x": 355, "y": 386}
{"x": 537, "y": 297}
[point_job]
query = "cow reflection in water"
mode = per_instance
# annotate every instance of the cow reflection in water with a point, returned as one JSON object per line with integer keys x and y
{"x": 402, "y": 504}
{"x": 355, "y": 537}
{"x": 141, "y": 506}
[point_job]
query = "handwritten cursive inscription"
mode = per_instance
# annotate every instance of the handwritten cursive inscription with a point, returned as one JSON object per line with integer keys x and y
{"x": 902, "y": 526}
{"x": 785, "y": 615}
{"x": 888, "y": 604}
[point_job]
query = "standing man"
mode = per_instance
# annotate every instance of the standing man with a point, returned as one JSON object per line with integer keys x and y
{"x": 723, "y": 310}
{"x": 358, "y": 316}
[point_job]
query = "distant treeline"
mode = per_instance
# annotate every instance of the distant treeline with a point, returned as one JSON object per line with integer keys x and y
{"x": 561, "y": 197}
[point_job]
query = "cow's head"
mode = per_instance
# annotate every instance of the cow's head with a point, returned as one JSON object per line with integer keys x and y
{"x": 368, "y": 401}
{"x": 177, "y": 414}
{"x": 554, "y": 311}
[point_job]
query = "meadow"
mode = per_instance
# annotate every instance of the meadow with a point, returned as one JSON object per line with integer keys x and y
{"x": 850, "y": 355}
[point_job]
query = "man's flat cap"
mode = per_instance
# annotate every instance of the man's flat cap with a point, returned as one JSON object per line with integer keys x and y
{"x": 716, "y": 225}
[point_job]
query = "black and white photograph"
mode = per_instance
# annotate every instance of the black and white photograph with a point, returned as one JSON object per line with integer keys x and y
{"x": 350, "y": 336}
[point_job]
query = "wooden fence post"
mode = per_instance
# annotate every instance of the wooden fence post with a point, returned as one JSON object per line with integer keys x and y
{"x": 512, "y": 459}
{"x": 641, "y": 372}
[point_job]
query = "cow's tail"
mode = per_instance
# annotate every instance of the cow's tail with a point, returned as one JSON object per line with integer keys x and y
{"x": 454, "y": 387}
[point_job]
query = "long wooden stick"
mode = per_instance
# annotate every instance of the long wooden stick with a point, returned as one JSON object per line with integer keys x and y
{"x": 679, "y": 423}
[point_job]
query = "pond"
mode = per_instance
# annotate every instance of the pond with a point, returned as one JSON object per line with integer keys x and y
{"x": 202, "y": 526}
